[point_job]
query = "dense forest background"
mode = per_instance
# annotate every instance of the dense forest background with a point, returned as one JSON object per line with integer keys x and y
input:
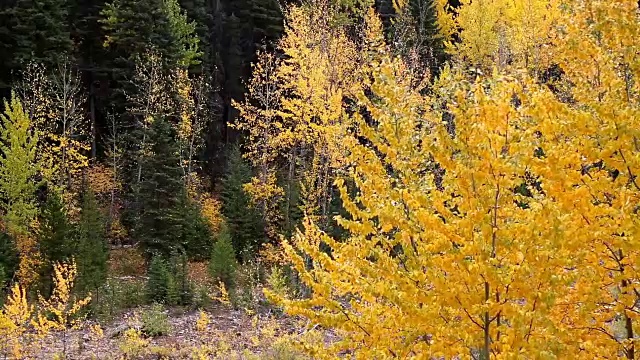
{"x": 93, "y": 78}
{"x": 138, "y": 119}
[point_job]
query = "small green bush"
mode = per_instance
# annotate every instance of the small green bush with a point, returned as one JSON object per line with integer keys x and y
{"x": 247, "y": 280}
{"x": 155, "y": 321}
{"x": 201, "y": 298}
{"x": 223, "y": 263}
{"x": 278, "y": 281}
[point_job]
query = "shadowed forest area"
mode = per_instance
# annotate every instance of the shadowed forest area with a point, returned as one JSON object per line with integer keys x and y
{"x": 319, "y": 179}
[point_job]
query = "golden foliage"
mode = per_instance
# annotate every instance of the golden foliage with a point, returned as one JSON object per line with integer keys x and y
{"x": 501, "y": 32}
{"x": 30, "y": 258}
{"x": 133, "y": 344}
{"x": 14, "y": 318}
{"x": 101, "y": 179}
{"x": 497, "y": 217}
{"x": 61, "y": 311}
{"x": 202, "y": 322}
{"x": 295, "y": 113}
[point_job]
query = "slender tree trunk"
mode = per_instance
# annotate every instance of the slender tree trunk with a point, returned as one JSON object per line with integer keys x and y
{"x": 486, "y": 349}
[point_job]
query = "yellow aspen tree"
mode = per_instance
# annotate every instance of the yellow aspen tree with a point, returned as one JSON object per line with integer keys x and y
{"x": 300, "y": 103}
{"x": 321, "y": 67}
{"x": 52, "y": 98}
{"x": 14, "y": 320}
{"x": 480, "y": 25}
{"x": 462, "y": 265}
{"x": 61, "y": 311}
{"x": 68, "y": 129}
{"x": 151, "y": 97}
{"x": 193, "y": 114}
{"x": 268, "y": 138}
{"x": 505, "y": 33}
{"x": 596, "y": 149}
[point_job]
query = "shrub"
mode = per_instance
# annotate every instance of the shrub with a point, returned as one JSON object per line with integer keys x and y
{"x": 115, "y": 296}
{"x": 245, "y": 293}
{"x": 223, "y": 264}
{"x": 155, "y": 321}
{"x": 278, "y": 281}
{"x": 133, "y": 345}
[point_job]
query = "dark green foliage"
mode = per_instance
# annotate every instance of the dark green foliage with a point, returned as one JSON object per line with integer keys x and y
{"x": 169, "y": 222}
{"x": 159, "y": 223}
{"x": 33, "y": 31}
{"x": 415, "y": 31}
{"x": 223, "y": 264}
{"x": 195, "y": 234}
{"x": 158, "y": 280}
{"x": 248, "y": 25}
{"x": 168, "y": 281}
{"x": 428, "y": 39}
{"x": 115, "y": 296}
{"x": 135, "y": 26}
{"x": 155, "y": 321}
{"x": 55, "y": 237}
{"x": 92, "y": 251}
{"x": 8, "y": 257}
{"x": 246, "y": 227}
{"x": 180, "y": 288}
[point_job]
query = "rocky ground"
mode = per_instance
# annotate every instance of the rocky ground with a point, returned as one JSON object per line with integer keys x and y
{"x": 227, "y": 334}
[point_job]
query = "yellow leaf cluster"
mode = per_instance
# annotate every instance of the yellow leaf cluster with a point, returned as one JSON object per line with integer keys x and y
{"x": 14, "y": 318}
{"x": 497, "y": 216}
{"x": 60, "y": 311}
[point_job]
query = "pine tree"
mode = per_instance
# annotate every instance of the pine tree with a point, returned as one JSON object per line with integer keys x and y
{"x": 161, "y": 192}
{"x": 195, "y": 236}
{"x": 158, "y": 280}
{"x": 428, "y": 40}
{"x": 8, "y": 257}
{"x": 55, "y": 237}
{"x": 223, "y": 264}
{"x": 91, "y": 245}
{"x": 245, "y": 223}
{"x": 248, "y": 26}
{"x": 180, "y": 290}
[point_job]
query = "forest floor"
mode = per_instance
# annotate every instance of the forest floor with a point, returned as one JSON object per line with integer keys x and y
{"x": 217, "y": 331}
{"x": 229, "y": 334}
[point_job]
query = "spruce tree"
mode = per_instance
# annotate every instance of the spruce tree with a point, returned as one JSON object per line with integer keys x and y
{"x": 245, "y": 223}
{"x": 429, "y": 40}
{"x": 159, "y": 224}
{"x": 91, "y": 245}
{"x": 158, "y": 280}
{"x": 248, "y": 25}
{"x": 8, "y": 257}
{"x": 195, "y": 234}
{"x": 55, "y": 237}
{"x": 180, "y": 289}
{"x": 223, "y": 263}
